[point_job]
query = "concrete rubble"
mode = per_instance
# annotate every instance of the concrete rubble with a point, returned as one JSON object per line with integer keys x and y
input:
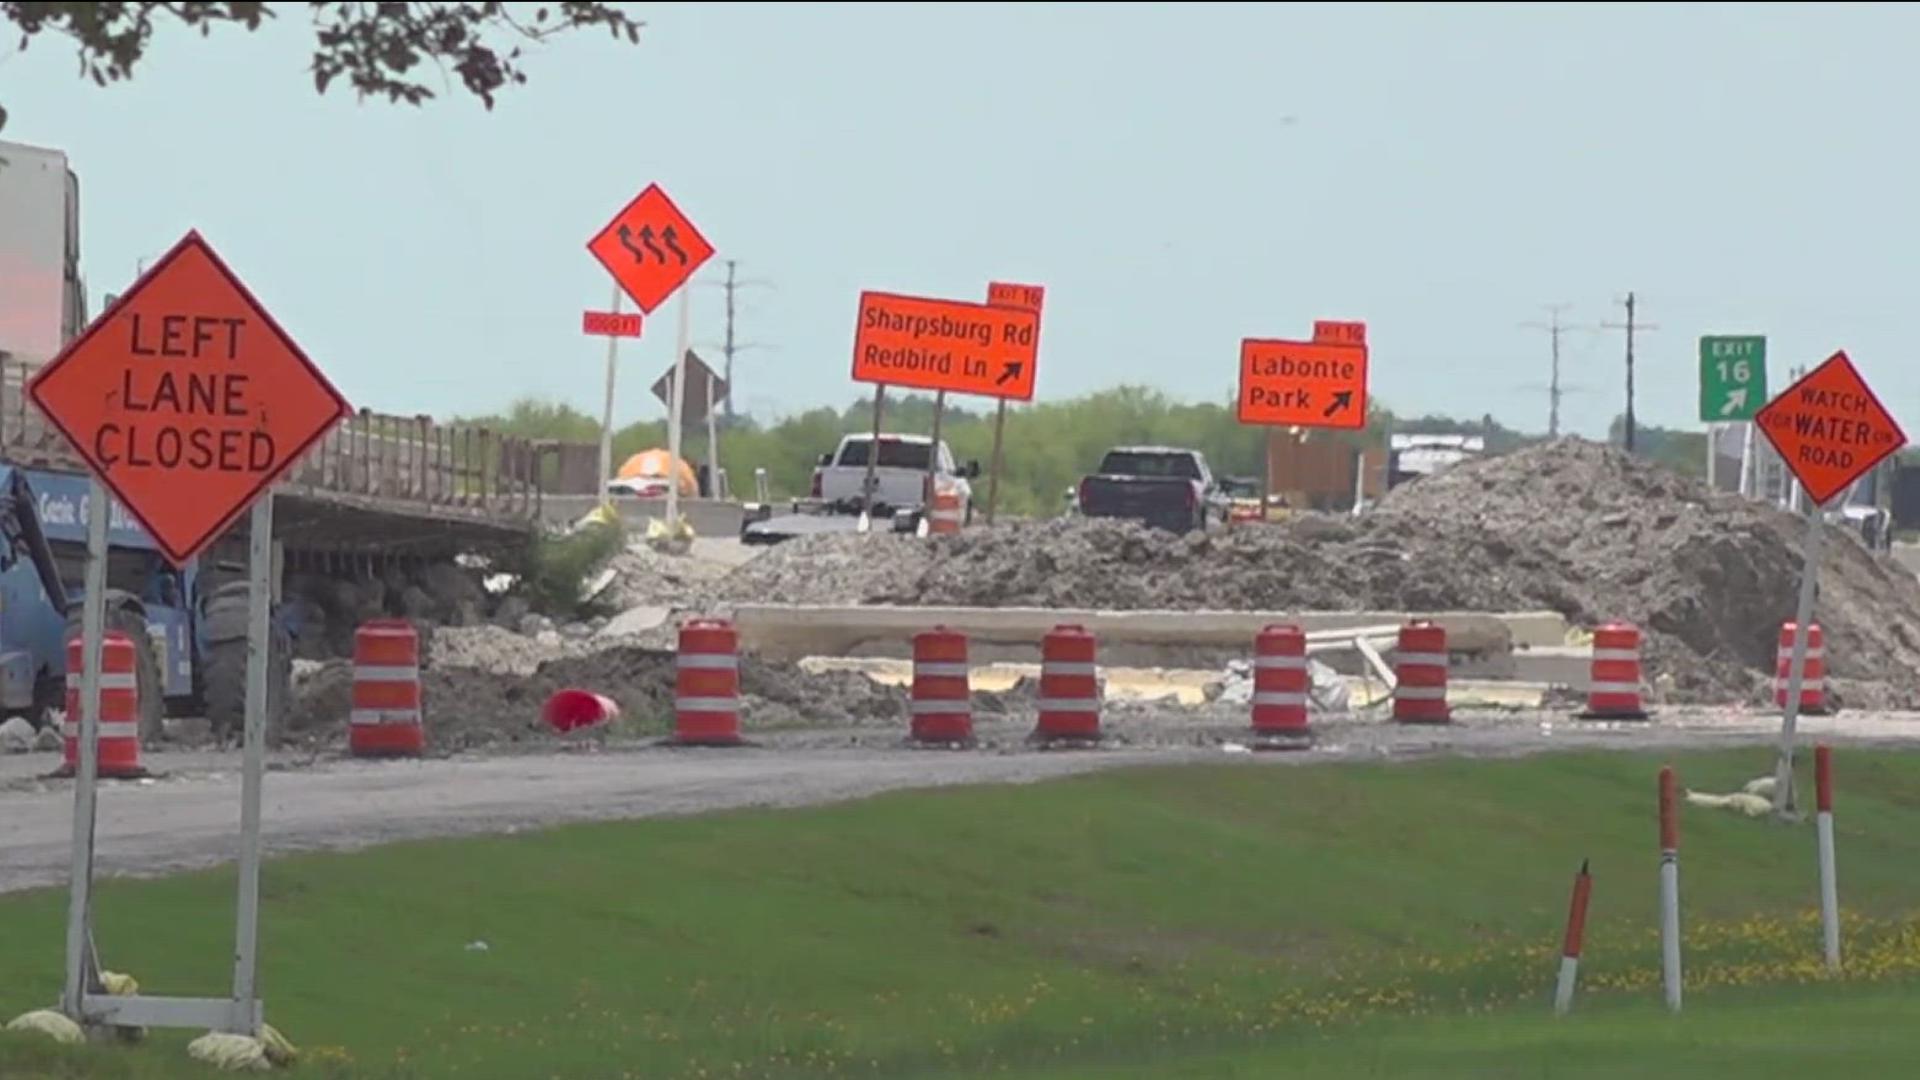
{"x": 1571, "y": 527}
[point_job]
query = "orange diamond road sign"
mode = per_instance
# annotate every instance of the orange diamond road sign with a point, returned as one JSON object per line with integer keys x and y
{"x": 650, "y": 248}
{"x": 187, "y": 399}
{"x": 1830, "y": 429}
{"x": 947, "y": 345}
{"x": 1303, "y": 384}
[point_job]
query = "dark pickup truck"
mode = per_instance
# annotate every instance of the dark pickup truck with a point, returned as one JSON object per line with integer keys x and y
{"x": 1164, "y": 487}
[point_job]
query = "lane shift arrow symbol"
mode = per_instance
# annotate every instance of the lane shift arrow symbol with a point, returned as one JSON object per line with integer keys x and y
{"x": 1342, "y": 399}
{"x": 672, "y": 240}
{"x": 1736, "y": 399}
{"x": 1010, "y": 372}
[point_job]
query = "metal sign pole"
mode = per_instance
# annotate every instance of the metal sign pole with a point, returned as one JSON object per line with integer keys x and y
{"x": 933, "y": 451}
{"x": 1796, "y": 669}
{"x": 993, "y": 479}
{"x": 679, "y": 395}
{"x": 606, "y": 408}
{"x": 92, "y": 621}
{"x": 259, "y": 643}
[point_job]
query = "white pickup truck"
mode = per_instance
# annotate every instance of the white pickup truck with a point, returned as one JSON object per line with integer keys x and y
{"x": 899, "y": 473}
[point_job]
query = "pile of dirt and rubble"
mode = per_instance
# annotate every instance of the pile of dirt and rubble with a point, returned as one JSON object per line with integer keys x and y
{"x": 498, "y": 702}
{"x": 1569, "y": 526}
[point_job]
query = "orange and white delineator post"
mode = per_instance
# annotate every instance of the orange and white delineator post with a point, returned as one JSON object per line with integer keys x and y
{"x": 1570, "y": 947}
{"x": 1670, "y": 887}
{"x": 1829, "y": 879}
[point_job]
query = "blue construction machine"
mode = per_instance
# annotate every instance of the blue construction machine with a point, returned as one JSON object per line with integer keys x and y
{"x": 188, "y": 625}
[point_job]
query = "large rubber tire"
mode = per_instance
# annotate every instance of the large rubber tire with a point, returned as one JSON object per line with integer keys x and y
{"x": 223, "y": 668}
{"x": 124, "y": 617}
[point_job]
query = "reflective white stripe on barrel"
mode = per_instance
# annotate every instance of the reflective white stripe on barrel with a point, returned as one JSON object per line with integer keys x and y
{"x": 383, "y": 716}
{"x": 1627, "y": 655}
{"x": 109, "y": 680}
{"x": 1068, "y": 667}
{"x": 934, "y": 669}
{"x": 707, "y": 661}
{"x": 109, "y": 729}
{"x": 1421, "y": 659}
{"x": 706, "y": 704}
{"x": 379, "y": 673}
{"x": 1277, "y": 697}
{"x": 1614, "y": 688}
{"x": 1280, "y": 663}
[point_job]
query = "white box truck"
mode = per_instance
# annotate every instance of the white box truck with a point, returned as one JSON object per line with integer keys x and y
{"x": 43, "y": 301}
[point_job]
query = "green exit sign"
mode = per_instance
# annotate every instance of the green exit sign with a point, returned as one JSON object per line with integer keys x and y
{"x": 1733, "y": 378}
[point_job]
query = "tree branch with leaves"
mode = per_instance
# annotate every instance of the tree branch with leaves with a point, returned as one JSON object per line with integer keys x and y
{"x": 379, "y": 49}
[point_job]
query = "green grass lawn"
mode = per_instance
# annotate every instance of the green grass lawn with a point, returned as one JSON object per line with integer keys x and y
{"x": 1353, "y": 920}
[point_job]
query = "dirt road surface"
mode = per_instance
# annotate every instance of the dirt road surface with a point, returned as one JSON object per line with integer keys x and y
{"x": 188, "y": 817}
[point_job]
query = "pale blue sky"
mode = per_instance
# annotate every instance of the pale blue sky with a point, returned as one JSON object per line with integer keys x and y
{"x": 1178, "y": 177}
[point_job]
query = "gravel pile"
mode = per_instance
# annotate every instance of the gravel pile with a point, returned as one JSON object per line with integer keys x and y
{"x": 1569, "y": 526}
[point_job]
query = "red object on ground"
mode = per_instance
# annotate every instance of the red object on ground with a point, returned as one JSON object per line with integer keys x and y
{"x": 1577, "y": 914}
{"x": 1823, "y": 779}
{"x": 388, "y": 718}
{"x": 1813, "y": 680}
{"x": 706, "y": 684}
{"x": 942, "y": 693}
{"x": 1669, "y": 811}
{"x": 1069, "y": 685}
{"x": 1280, "y": 682}
{"x": 1613, "y": 688}
{"x": 570, "y": 710}
{"x": 1420, "y": 675}
{"x": 118, "y": 735}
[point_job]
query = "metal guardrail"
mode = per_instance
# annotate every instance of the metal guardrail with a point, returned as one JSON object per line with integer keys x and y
{"x": 407, "y": 462}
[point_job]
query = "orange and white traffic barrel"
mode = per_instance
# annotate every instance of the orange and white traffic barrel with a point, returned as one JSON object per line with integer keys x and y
{"x": 942, "y": 693}
{"x": 1614, "y": 680}
{"x": 1420, "y": 675}
{"x": 118, "y": 735}
{"x": 1280, "y": 681}
{"x": 1069, "y": 687}
{"x": 1813, "y": 678}
{"x": 944, "y": 517}
{"x": 706, "y": 684}
{"x": 389, "y": 709}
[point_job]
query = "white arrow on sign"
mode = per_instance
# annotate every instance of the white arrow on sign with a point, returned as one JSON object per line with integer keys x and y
{"x": 1736, "y": 399}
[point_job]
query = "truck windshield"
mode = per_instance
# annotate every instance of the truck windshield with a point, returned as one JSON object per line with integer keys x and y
{"x": 1124, "y": 463}
{"x": 894, "y": 454}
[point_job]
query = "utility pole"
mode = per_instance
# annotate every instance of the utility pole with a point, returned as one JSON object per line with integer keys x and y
{"x": 1554, "y": 328}
{"x": 1631, "y": 327}
{"x": 730, "y": 347}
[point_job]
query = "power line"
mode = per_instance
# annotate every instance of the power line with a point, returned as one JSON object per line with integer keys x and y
{"x": 1631, "y": 327}
{"x": 731, "y": 347}
{"x": 1555, "y": 391}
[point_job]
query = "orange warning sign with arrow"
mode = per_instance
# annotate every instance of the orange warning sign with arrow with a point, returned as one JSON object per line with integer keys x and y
{"x": 1303, "y": 384}
{"x": 650, "y": 248}
{"x": 1830, "y": 429}
{"x": 950, "y": 345}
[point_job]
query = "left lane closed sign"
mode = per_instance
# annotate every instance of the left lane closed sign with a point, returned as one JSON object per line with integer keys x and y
{"x": 187, "y": 399}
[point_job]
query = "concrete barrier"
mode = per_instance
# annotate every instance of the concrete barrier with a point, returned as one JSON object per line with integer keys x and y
{"x": 709, "y": 517}
{"x": 1153, "y": 638}
{"x": 1908, "y": 555}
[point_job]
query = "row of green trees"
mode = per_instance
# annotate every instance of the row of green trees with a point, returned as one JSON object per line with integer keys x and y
{"x": 1048, "y": 446}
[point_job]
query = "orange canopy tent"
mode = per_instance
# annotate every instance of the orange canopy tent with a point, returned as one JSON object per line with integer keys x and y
{"x": 653, "y": 465}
